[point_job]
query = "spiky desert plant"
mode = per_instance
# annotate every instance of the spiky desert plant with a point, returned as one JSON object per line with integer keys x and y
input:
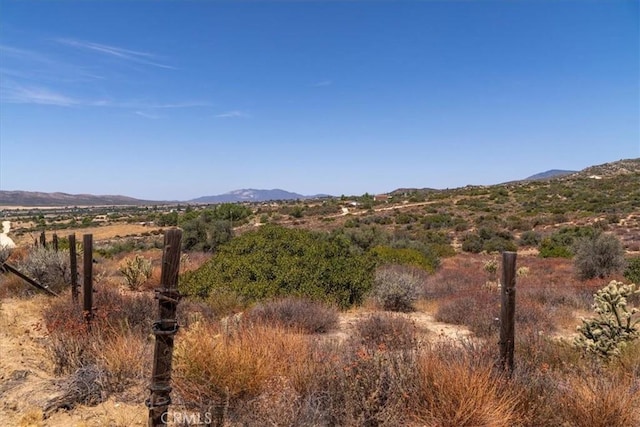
{"x": 136, "y": 271}
{"x": 614, "y": 324}
{"x": 491, "y": 267}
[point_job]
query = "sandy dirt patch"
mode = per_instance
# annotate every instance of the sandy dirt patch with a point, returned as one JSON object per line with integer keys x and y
{"x": 27, "y": 382}
{"x": 104, "y": 232}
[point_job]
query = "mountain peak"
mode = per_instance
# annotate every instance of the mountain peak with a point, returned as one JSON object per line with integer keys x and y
{"x": 251, "y": 195}
{"x": 552, "y": 173}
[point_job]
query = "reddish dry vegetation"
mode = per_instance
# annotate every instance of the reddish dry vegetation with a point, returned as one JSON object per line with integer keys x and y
{"x": 368, "y": 367}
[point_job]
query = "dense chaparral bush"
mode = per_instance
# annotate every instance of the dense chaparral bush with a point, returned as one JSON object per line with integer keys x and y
{"x": 560, "y": 243}
{"x": 275, "y": 261}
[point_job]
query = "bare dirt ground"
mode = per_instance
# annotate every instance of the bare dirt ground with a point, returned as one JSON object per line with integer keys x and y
{"x": 27, "y": 381}
{"x": 103, "y": 232}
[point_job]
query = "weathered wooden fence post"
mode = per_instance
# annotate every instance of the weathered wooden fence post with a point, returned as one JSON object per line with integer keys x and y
{"x": 508, "y": 310}
{"x": 87, "y": 283}
{"x": 43, "y": 239}
{"x": 55, "y": 242}
{"x": 164, "y": 329}
{"x": 73, "y": 264}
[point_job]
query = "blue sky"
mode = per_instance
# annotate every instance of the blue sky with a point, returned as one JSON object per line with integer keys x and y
{"x": 179, "y": 99}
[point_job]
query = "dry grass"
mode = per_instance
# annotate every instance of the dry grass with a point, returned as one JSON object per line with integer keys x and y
{"x": 215, "y": 367}
{"x": 386, "y": 331}
{"x": 103, "y": 232}
{"x": 453, "y": 393}
{"x": 120, "y": 320}
{"x": 295, "y": 313}
{"x": 125, "y": 359}
{"x": 599, "y": 400}
{"x": 265, "y": 375}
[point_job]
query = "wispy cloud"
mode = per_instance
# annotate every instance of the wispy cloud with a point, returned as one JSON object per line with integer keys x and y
{"x": 322, "y": 83}
{"x": 48, "y": 77}
{"x": 145, "y": 58}
{"x": 18, "y": 94}
{"x": 233, "y": 114}
{"x": 147, "y": 115}
{"x": 33, "y": 65}
{"x": 15, "y": 93}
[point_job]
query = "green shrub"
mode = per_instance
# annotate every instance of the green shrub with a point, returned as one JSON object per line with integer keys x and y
{"x": 205, "y": 233}
{"x": 598, "y": 256}
{"x": 560, "y": 244}
{"x": 499, "y": 244}
{"x": 632, "y": 272}
{"x": 405, "y": 218}
{"x": 530, "y": 238}
{"x": 437, "y": 221}
{"x": 396, "y": 288}
{"x": 488, "y": 240}
{"x": 551, "y": 249}
{"x": 614, "y": 326}
{"x": 472, "y": 243}
{"x": 274, "y": 261}
{"x": 364, "y": 238}
{"x": 404, "y": 256}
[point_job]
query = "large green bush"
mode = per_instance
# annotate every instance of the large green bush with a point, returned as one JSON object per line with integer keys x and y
{"x": 274, "y": 261}
{"x": 560, "y": 244}
{"x": 204, "y": 233}
{"x": 488, "y": 240}
{"x": 405, "y": 256}
{"x": 599, "y": 255}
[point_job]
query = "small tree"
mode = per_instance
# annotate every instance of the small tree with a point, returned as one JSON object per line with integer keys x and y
{"x": 614, "y": 326}
{"x": 599, "y": 255}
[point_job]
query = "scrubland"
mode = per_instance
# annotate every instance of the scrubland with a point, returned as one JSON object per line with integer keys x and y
{"x": 302, "y": 314}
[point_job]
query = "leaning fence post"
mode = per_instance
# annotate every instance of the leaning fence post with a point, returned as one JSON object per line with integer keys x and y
{"x": 164, "y": 329}
{"x": 55, "y": 242}
{"x": 87, "y": 289}
{"x": 73, "y": 264}
{"x": 508, "y": 310}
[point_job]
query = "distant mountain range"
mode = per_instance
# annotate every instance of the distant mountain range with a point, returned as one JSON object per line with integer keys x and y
{"x": 30, "y": 198}
{"x": 33, "y": 198}
{"x": 553, "y": 173}
{"x": 253, "y": 195}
